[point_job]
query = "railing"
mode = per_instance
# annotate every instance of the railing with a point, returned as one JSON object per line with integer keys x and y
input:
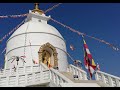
{"x": 110, "y": 80}
{"x": 20, "y": 70}
{"x": 24, "y": 76}
{"x": 31, "y": 75}
{"x": 82, "y": 75}
{"x": 56, "y": 78}
{"x": 39, "y": 74}
{"x": 25, "y": 79}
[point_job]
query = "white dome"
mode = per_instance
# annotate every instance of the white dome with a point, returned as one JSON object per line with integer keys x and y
{"x": 41, "y": 27}
{"x": 37, "y": 32}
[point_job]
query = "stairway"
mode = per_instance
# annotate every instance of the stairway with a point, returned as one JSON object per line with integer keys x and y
{"x": 81, "y": 83}
{"x": 68, "y": 75}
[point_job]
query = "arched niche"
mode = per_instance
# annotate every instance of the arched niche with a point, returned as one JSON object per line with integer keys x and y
{"x": 51, "y": 52}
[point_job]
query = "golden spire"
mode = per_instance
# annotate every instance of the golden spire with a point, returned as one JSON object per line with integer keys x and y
{"x": 36, "y": 9}
{"x": 36, "y": 5}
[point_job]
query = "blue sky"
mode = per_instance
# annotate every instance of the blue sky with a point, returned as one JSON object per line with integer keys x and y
{"x": 101, "y": 20}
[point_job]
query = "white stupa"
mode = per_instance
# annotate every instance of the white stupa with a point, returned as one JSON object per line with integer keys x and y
{"x": 35, "y": 39}
{"x": 44, "y": 59}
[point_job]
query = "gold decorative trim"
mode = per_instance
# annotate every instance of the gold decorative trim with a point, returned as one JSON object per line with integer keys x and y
{"x": 48, "y": 45}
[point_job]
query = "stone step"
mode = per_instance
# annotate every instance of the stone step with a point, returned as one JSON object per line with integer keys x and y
{"x": 68, "y": 75}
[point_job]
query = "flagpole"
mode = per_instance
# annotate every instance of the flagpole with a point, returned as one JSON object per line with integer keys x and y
{"x": 90, "y": 76}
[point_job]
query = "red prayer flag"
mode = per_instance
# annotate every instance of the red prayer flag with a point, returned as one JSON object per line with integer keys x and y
{"x": 88, "y": 60}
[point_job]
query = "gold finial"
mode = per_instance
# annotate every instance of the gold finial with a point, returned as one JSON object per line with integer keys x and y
{"x": 36, "y": 5}
{"x": 36, "y": 9}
